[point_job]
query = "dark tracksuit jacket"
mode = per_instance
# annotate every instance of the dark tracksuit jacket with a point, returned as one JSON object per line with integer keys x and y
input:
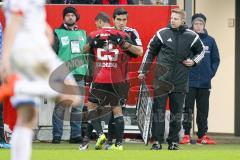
{"x": 171, "y": 47}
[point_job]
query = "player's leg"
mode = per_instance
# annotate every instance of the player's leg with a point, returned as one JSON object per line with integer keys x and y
{"x": 3, "y": 143}
{"x": 22, "y": 135}
{"x": 95, "y": 120}
{"x": 118, "y": 92}
{"x": 111, "y": 131}
{"x": 96, "y": 95}
{"x": 86, "y": 129}
{"x": 122, "y": 90}
{"x": 119, "y": 127}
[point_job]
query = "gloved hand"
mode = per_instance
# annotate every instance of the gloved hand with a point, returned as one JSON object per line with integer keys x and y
{"x": 97, "y": 42}
{"x": 117, "y": 39}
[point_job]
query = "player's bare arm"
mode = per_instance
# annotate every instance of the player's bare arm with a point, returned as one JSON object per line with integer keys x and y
{"x": 12, "y": 28}
{"x": 49, "y": 34}
{"x": 137, "y": 50}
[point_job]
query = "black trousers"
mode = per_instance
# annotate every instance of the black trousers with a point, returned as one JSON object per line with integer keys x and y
{"x": 1, "y": 124}
{"x": 159, "y": 109}
{"x": 201, "y": 96}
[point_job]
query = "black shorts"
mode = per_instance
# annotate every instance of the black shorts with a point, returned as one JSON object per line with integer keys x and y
{"x": 107, "y": 93}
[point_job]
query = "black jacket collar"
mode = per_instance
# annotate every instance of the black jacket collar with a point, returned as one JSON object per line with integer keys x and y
{"x": 64, "y": 26}
{"x": 182, "y": 28}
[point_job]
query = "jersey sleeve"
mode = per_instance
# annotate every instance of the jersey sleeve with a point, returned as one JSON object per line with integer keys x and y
{"x": 134, "y": 36}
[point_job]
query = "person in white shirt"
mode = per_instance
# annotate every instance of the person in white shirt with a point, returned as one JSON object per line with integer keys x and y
{"x": 28, "y": 62}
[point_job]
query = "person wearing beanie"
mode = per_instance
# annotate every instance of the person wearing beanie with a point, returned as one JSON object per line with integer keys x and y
{"x": 200, "y": 84}
{"x": 73, "y": 10}
{"x": 199, "y": 17}
{"x": 68, "y": 45}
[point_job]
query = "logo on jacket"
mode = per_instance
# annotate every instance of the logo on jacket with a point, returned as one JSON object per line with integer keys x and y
{"x": 81, "y": 38}
{"x": 65, "y": 40}
{"x": 169, "y": 40}
{"x": 206, "y": 49}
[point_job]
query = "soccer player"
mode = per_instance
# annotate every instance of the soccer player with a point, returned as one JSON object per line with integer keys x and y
{"x": 108, "y": 47}
{"x": 120, "y": 18}
{"x": 28, "y": 62}
{"x": 3, "y": 143}
{"x": 177, "y": 48}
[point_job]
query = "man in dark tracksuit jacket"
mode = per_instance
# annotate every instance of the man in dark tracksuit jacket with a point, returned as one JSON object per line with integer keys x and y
{"x": 176, "y": 48}
{"x": 200, "y": 84}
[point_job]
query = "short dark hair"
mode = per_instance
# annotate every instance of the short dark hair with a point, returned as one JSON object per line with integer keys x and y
{"x": 103, "y": 16}
{"x": 119, "y": 11}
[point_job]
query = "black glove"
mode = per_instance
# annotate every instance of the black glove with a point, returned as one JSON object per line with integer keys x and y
{"x": 117, "y": 39}
{"x": 97, "y": 42}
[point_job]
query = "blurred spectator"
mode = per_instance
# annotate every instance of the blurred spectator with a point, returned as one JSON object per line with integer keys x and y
{"x": 76, "y": 1}
{"x": 94, "y": 1}
{"x": 3, "y": 143}
{"x": 115, "y": 1}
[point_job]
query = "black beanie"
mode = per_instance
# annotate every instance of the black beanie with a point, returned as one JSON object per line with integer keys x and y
{"x": 71, "y": 9}
{"x": 200, "y": 17}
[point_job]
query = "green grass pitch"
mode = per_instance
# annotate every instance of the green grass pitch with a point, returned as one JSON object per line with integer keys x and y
{"x": 65, "y": 151}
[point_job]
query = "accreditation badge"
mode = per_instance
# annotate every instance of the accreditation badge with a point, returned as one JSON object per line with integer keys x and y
{"x": 75, "y": 47}
{"x": 65, "y": 40}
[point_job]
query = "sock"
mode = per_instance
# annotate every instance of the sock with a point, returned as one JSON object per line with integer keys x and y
{"x": 111, "y": 129}
{"x": 95, "y": 121}
{"x": 119, "y": 128}
{"x": 21, "y": 143}
{"x": 89, "y": 130}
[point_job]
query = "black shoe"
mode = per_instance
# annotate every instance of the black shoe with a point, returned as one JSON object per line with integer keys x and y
{"x": 56, "y": 140}
{"x": 156, "y": 146}
{"x": 85, "y": 144}
{"x": 173, "y": 146}
{"x": 76, "y": 140}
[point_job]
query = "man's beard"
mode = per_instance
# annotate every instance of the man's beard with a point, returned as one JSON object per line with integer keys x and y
{"x": 70, "y": 24}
